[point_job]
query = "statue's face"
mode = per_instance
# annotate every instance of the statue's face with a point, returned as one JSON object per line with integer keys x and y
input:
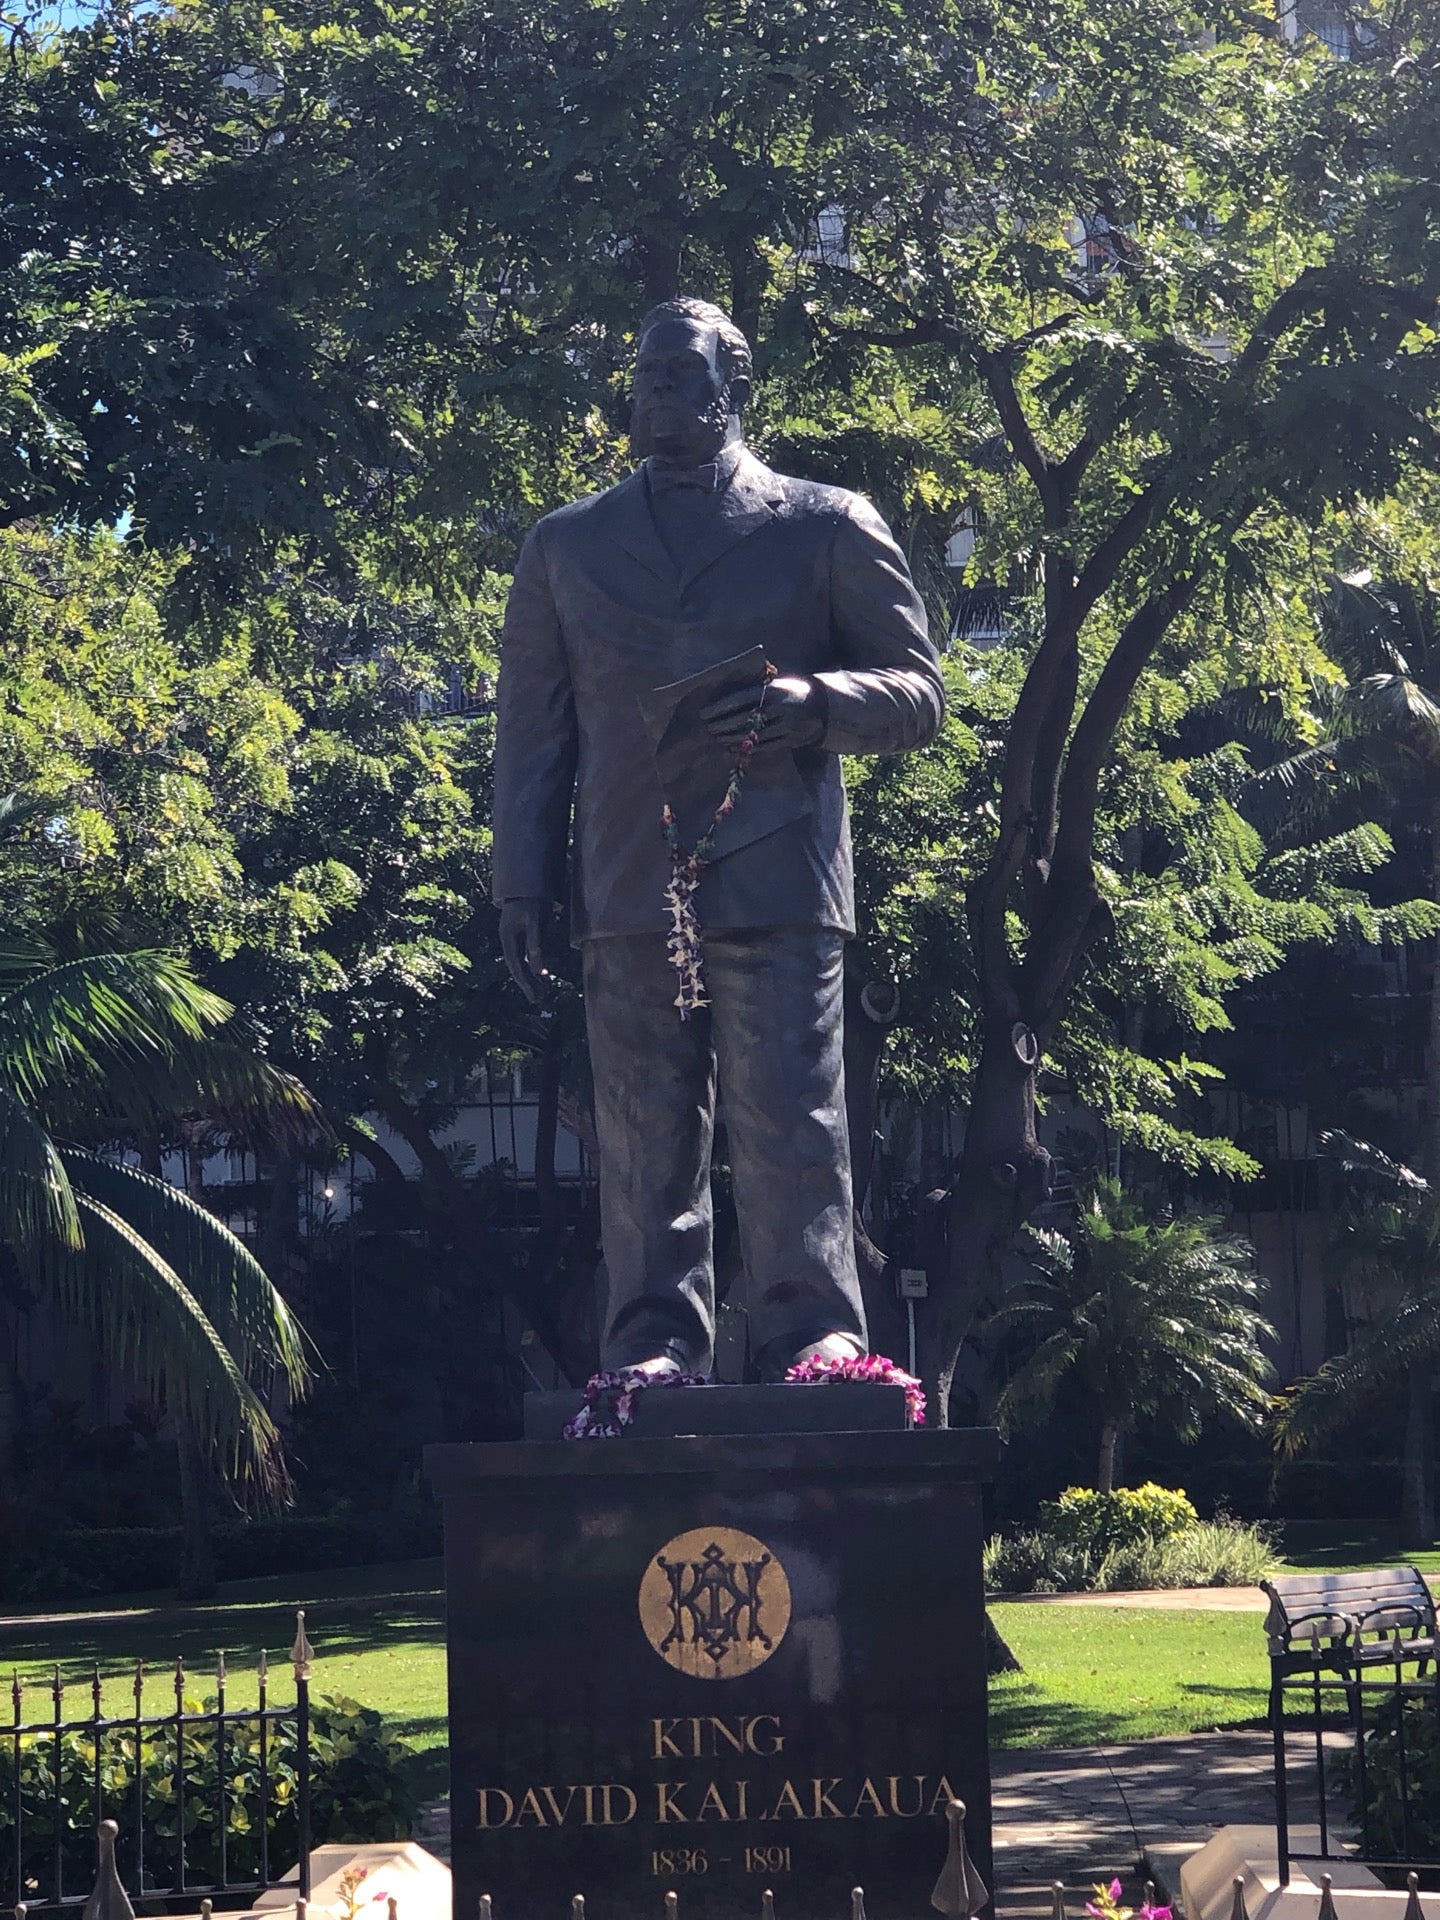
{"x": 680, "y": 405}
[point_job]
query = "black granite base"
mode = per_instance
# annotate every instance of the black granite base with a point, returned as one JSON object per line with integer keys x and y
{"x": 715, "y": 1665}
{"x": 838, "y": 1406}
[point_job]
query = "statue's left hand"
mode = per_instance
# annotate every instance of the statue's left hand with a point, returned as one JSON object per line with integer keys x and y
{"x": 793, "y": 714}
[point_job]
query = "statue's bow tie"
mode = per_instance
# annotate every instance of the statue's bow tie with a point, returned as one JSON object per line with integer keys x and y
{"x": 705, "y": 479}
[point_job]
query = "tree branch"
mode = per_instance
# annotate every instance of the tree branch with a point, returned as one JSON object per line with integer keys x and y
{"x": 997, "y": 373}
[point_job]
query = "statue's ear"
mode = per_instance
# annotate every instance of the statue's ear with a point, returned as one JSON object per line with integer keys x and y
{"x": 739, "y": 393}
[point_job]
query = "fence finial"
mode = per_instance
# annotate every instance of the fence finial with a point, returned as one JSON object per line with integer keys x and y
{"x": 302, "y": 1653}
{"x": 1238, "y": 1909}
{"x": 108, "y": 1899}
{"x": 577, "y": 1907}
{"x": 392, "y": 1907}
{"x": 206, "y": 1909}
{"x": 672, "y": 1905}
{"x": 1413, "y": 1909}
{"x": 1057, "y": 1900}
{"x": 959, "y": 1892}
{"x": 1327, "y": 1899}
{"x": 767, "y": 1905}
{"x": 857, "y": 1903}
{"x": 487, "y": 1907}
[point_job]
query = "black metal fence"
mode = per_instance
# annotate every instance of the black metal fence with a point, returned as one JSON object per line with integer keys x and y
{"x": 1355, "y": 1655}
{"x": 205, "y": 1797}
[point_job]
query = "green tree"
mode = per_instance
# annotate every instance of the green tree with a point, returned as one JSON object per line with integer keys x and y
{"x": 1387, "y": 1243}
{"x": 1153, "y": 1319}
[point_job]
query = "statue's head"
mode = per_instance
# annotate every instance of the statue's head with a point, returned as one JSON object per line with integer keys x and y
{"x": 692, "y": 379}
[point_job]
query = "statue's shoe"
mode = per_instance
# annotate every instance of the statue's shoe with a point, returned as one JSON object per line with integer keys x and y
{"x": 776, "y": 1360}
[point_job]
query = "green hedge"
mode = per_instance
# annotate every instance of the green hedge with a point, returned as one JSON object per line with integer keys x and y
{"x": 83, "y": 1563}
{"x": 360, "y": 1790}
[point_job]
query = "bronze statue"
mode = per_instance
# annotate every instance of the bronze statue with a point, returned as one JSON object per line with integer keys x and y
{"x": 685, "y": 658}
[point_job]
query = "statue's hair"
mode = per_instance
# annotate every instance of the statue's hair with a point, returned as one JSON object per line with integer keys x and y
{"x": 734, "y": 347}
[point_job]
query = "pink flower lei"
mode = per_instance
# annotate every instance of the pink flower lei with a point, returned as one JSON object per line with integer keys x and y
{"x": 873, "y": 1367}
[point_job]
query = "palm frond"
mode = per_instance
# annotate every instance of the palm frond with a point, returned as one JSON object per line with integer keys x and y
{"x": 153, "y": 1327}
{"x": 226, "y": 1082}
{"x": 1361, "y": 1156}
{"x": 1312, "y": 1410}
{"x": 1395, "y": 702}
{"x": 22, "y": 960}
{"x": 18, "y": 809}
{"x": 101, "y": 1016}
{"x": 38, "y": 1216}
{"x": 232, "y": 1289}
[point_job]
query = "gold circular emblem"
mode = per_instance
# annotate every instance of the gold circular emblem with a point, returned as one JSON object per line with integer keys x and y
{"x": 714, "y": 1603}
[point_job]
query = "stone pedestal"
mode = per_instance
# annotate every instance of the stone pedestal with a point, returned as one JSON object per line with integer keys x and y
{"x": 714, "y": 1663}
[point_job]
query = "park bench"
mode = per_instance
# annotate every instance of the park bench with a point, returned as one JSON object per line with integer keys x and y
{"x": 1371, "y": 1639}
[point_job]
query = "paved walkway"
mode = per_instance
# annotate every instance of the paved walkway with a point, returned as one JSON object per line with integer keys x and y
{"x": 1089, "y": 1814}
{"x": 1160, "y": 1599}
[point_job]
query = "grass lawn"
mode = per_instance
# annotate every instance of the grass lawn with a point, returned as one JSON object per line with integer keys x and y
{"x": 1092, "y": 1674}
{"x": 1333, "y": 1546}
{"x": 378, "y": 1635}
{"x": 1101, "y": 1674}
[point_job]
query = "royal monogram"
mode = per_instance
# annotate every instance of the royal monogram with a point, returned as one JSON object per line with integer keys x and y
{"x": 715, "y": 1603}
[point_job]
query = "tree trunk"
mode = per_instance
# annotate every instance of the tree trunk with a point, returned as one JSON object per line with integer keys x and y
{"x": 197, "y": 1549}
{"x": 1417, "y": 1494}
{"x": 1432, "y": 1053}
{"x": 1004, "y": 1175}
{"x": 1105, "y": 1466}
{"x": 277, "y": 1221}
{"x": 865, "y": 1037}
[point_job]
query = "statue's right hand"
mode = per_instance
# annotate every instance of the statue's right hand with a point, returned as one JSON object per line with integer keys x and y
{"x": 522, "y": 936}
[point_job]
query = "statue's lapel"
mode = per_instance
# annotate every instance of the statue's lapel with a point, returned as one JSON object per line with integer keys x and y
{"x": 632, "y": 525}
{"x": 750, "y": 502}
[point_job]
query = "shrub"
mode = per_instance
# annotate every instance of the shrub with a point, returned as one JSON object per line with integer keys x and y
{"x": 359, "y": 1779}
{"x": 1222, "y": 1552}
{"x": 1128, "y": 1517}
{"x": 82, "y": 1562}
{"x": 1384, "y": 1801}
{"x": 1210, "y": 1553}
{"x": 1037, "y": 1563}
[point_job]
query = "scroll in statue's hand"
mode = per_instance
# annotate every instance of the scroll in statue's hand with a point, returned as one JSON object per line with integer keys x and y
{"x": 522, "y": 941}
{"x": 793, "y": 714}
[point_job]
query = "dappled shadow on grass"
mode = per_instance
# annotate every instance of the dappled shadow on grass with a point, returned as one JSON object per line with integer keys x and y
{"x": 335, "y": 1630}
{"x": 1256, "y": 1701}
{"x": 1023, "y": 1714}
{"x": 1337, "y": 1546}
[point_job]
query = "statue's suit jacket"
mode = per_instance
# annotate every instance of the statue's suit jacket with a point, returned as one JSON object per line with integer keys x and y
{"x": 599, "y": 615}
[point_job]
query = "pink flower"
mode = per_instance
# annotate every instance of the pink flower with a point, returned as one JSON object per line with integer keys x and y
{"x": 864, "y": 1366}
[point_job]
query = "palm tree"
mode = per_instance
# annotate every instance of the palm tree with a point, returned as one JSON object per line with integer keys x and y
{"x": 93, "y": 1046}
{"x": 1155, "y": 1319}
{"x": 1382, "y": 740}
{"x": 1390, "y": 1248}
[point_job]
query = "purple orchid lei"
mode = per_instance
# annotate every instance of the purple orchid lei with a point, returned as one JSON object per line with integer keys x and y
{"x": 873, "y": 1367}
{"x": 684, "y": 947}
{"x": 610, "y": 1399}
